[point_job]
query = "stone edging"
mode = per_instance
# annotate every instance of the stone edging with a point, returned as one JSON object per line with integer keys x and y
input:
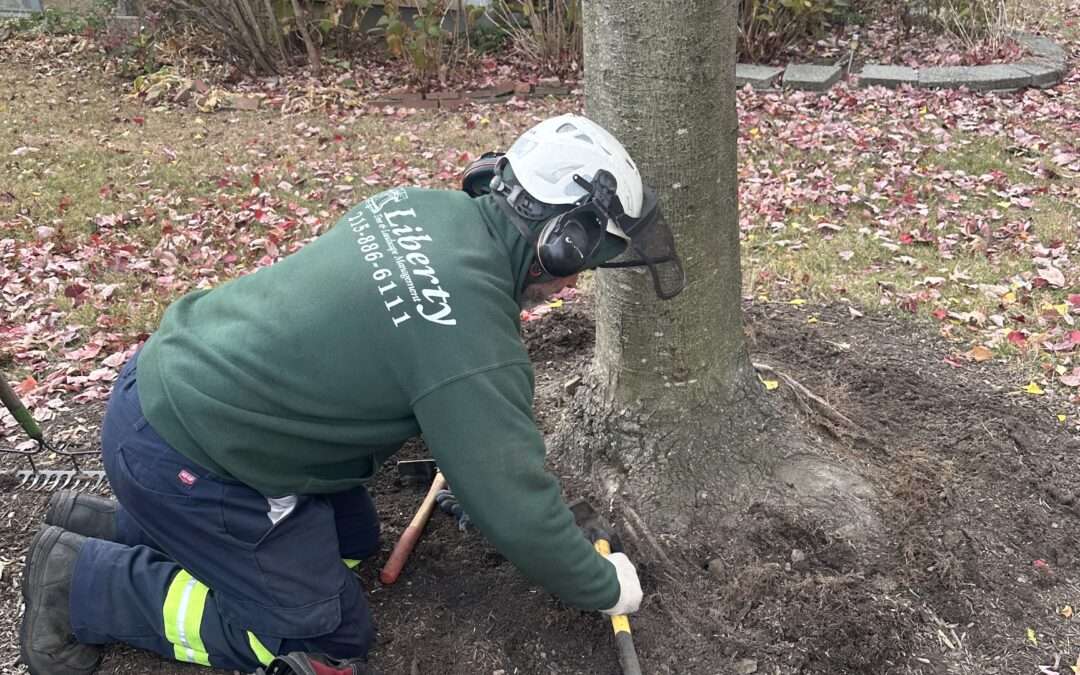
{"x": 1045, "y": 69}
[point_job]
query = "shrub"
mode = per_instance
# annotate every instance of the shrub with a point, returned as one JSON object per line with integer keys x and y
{"x": 264, "y": 35}
{"x": 768, "y": 27}
{"x": 545, "y": 32}
{"x": 974, "y": 23}
{"x": 58, "y": 22}
{"x": 422, "y": 43}
{"x": 487, "y": 38}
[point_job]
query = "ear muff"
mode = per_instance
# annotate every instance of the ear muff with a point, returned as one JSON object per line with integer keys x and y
{"x": 476, "y": 180}
{"x": 563, "y": 246}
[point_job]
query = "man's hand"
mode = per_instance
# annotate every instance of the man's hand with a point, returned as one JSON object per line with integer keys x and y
{"x": 629, "y": 586}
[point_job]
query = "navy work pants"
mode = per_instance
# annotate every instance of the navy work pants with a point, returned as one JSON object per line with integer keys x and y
{"x": 207, "y": 570}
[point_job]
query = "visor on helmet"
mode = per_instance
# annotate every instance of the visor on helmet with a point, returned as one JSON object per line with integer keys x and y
{"x": 652, "y": 245}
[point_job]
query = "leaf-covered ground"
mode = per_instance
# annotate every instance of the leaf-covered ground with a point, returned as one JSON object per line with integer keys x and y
{"x": 956, "y": 207}
{"x": 955, "y": 211}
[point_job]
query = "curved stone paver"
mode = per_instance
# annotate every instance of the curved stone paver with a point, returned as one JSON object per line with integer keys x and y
{"x": 1045, "y": 69}
{"x": 888, "y": 76}
{"x": 977, "y": 78}
{"x": 812, "y": 78}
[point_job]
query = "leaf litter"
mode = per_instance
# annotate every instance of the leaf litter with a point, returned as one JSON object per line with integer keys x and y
{"x": 938, "y": 196}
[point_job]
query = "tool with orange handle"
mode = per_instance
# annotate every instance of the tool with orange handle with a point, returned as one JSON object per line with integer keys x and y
{"x": 411, "y": 535}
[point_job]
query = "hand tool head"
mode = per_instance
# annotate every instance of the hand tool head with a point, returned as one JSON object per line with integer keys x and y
{"x": 593, "y": 524}
{"x": 417, "y": 472}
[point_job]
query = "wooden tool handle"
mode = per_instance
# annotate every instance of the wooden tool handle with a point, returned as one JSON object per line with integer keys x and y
{"x": 620, "y": 623}
{"x": 411, "y": 535}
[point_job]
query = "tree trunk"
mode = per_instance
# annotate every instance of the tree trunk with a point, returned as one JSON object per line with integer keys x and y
{"x": 674, "y": 109}
{"x": 674, "y": 423}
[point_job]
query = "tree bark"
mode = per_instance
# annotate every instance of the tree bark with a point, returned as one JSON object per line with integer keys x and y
{"x": 674, "y": 425}
{"x": 660, "y": 76}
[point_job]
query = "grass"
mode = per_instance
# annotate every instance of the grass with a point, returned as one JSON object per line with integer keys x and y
{"x": 857, "y": 258}
{"x": 80, "y": 155}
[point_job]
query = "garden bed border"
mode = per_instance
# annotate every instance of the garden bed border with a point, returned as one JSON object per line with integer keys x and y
{"x": 1045, "y": 68}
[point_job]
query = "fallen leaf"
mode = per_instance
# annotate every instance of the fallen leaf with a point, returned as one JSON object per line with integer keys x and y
{"x": 26, "y": 386}
{"x": 115, "y": 360}
{"x": 1072, "y": 379}
{"x": 770, "y": 384}
{"x": 1034, "y": 389}
{"x": 19, "y": 152}
{"x": 1031, "y": 637}
{"x": 1053, "y": 276}
{"x": 797, "y": 302}
{"x": 1067, "y": 611}
{"x": 855, "y": 314}
{"x": 979, "y": 353}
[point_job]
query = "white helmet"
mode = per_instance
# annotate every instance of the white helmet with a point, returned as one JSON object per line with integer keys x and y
{"x": 546, "y": 157}
{"x": 569, "y": 175}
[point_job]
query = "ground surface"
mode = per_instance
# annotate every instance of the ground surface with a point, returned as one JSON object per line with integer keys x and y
{"x": 980, "y": 485}
{"x": 941, "y": 224}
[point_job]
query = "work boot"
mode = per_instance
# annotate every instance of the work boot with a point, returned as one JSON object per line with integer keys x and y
{"x": 87, "y": 515}
{"x": 48, "y": 646}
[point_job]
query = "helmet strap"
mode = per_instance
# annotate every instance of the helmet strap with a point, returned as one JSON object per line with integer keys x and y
{"x": 511, "y": 213}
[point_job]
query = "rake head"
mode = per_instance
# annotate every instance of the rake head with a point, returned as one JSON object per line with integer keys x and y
{"x": 48, "y": 480}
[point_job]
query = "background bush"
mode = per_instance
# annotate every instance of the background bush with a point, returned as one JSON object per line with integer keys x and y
{"x": 768, "y": 27}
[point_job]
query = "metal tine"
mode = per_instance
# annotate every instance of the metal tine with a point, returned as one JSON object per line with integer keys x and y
{"x": 100, "y": 483}
{"x": 24, "y": 477}
{"x": 77, "y": 483}
{"x": 35, "y": 479}
{"x": 66, "y": 481}
{"x": 47, "y": 477}
{"x": 51, "y": 485}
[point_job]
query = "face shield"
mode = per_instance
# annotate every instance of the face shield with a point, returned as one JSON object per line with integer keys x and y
{"x": 651, "y": 242}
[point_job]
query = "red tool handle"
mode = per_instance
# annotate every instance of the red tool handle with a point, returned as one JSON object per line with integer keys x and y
{"x": 411, "y": 535}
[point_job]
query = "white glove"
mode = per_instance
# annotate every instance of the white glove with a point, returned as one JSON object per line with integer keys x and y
{"x": 629, "y": 586}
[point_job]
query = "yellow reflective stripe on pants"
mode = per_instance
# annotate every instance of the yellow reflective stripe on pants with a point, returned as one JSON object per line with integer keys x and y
{"x": 262, "y": 654}
{"x": 183, "y": 612}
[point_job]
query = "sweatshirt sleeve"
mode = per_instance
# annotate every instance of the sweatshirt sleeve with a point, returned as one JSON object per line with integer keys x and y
{"x": 481, "y": 431}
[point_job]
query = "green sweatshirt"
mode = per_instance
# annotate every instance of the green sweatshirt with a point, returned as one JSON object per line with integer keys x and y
{"x": 403, "y": 319}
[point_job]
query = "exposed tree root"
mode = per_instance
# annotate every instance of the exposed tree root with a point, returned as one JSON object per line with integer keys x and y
{"x": 810, "y": 401}
{"x": 646, "y": 534}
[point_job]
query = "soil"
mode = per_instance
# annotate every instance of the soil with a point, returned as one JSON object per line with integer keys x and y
{"x": 981, "y": 509}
